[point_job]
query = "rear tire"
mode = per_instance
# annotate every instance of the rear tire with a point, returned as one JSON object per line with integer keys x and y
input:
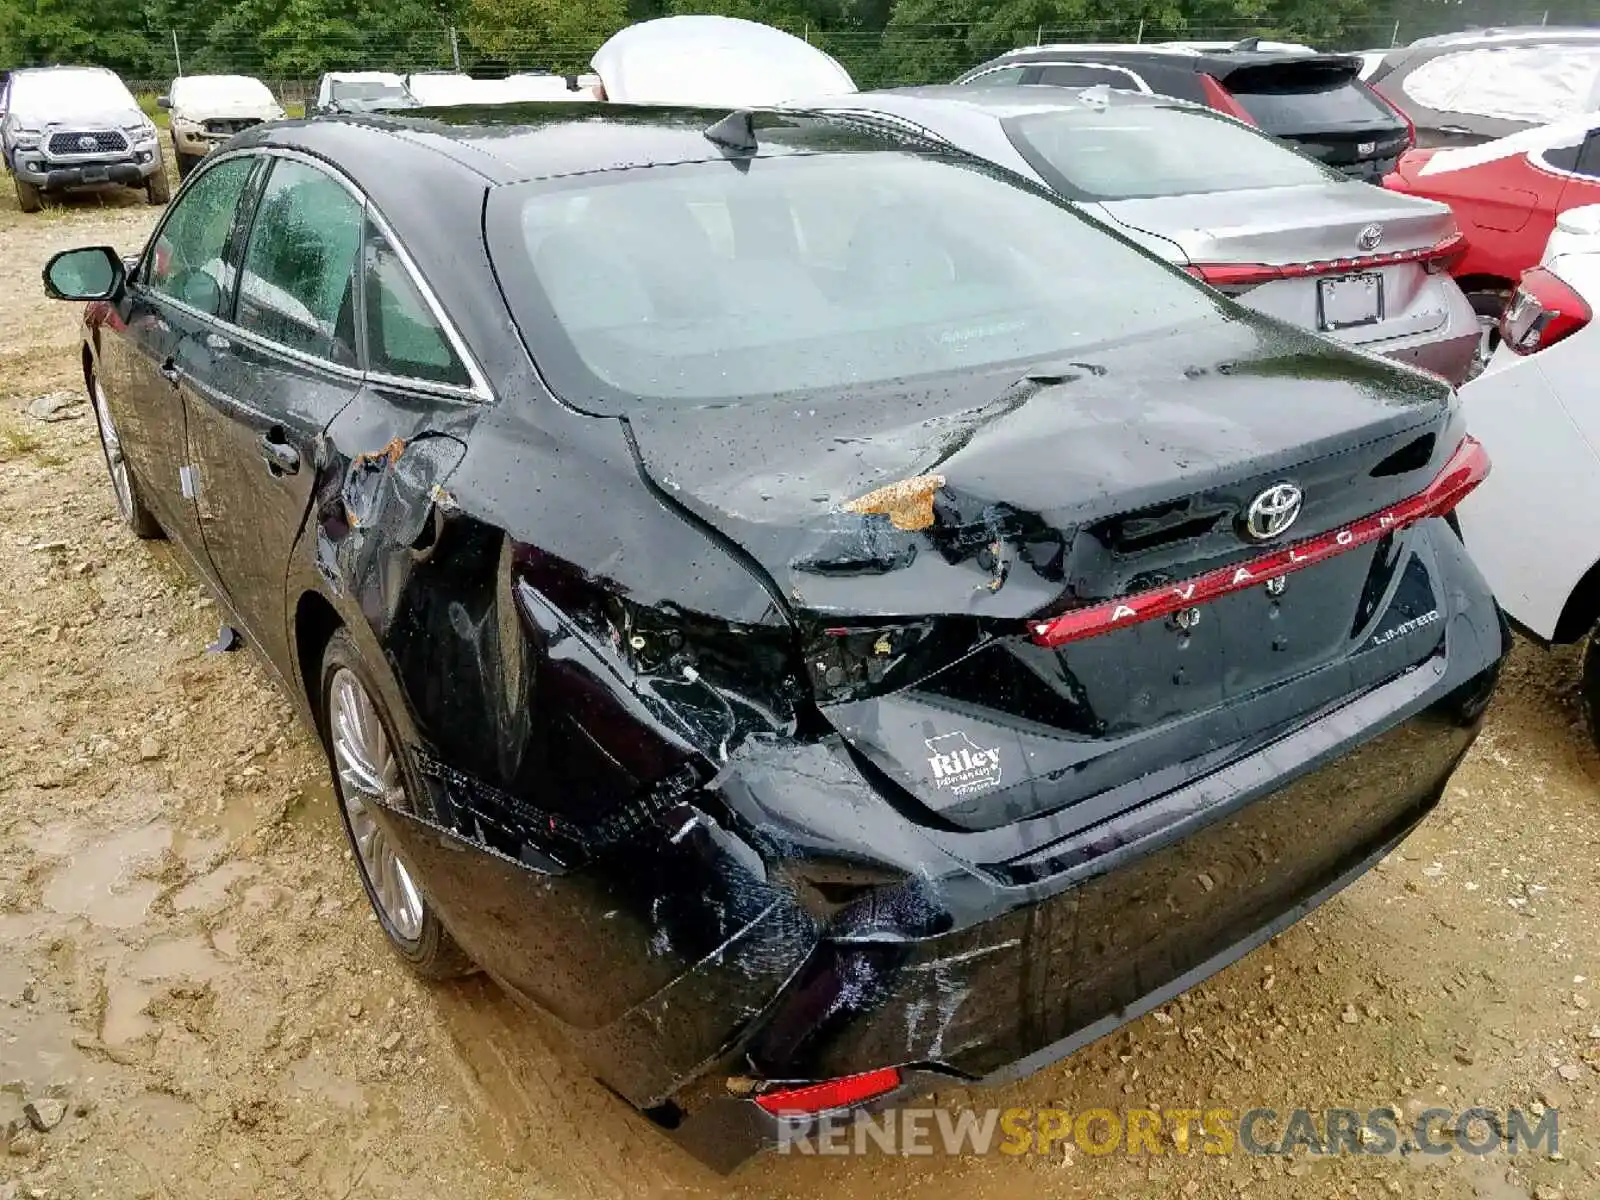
{"x": 1488, "y": 306}
{"x": 30, "y": 199}
{"x": 158, "y": 188}
{"x": 371, "y": 767}
{"x": 124, "y": 487}
{"x": 1589, "y": 685}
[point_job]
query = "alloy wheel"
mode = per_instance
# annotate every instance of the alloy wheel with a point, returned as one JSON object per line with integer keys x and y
{"x": 121, "y": 483}
{"x": 369, "y": 774}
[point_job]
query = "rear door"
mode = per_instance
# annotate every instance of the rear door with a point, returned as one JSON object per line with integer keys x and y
{"x": 261, "y": 390}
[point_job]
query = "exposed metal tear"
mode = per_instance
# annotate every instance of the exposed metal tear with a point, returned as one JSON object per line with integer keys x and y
{"x": 908, "y": 503}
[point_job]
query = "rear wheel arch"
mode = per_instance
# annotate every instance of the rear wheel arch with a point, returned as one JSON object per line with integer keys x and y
{"x": 1485, "y": 283}
{"x": 315, "y": 623}
{"x": 1582, "y": 609}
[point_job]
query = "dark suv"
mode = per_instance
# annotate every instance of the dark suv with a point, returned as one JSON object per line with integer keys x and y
{"x": 1316, "y": 102}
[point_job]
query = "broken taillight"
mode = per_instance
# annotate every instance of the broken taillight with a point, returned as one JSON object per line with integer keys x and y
{"x": 847, "y": 662}
{"x": 1544, "y": 310}
{"x": 1435, "y": 258}
{"x": 831, "y": 1094}
{"x": 1220, "y": 98}
{"x": 1467, "y": 468}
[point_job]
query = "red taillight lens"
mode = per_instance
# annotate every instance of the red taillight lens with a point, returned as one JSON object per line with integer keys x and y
{"x": 1438, "y": 257}
{"x": 1467, "y": 468}
{"x": 830, "y": 1094}
{"x": 1411, "y": 126}
{"x": 1543, "y": 311}
{"x": 1221, "y": 99}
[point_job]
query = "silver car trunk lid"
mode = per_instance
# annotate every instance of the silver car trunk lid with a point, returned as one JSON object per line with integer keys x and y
{"x": 1277, "y": 225}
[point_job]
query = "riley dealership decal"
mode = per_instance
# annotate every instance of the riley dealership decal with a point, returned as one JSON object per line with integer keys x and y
{"x": 961, "y": 766}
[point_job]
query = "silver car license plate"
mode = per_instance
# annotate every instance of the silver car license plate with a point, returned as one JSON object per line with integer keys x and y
{"x": 1349, "y": 300}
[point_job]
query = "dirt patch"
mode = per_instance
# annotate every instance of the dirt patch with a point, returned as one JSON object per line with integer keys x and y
{"x": 188, "y": 964}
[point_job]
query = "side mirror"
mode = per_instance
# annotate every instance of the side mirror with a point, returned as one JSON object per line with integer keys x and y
{"x": 91, "y": 273}
{"x": 163, "y": 101}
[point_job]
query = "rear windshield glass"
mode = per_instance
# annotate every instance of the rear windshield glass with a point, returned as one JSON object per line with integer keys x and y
{"x": 1310, "y": 107}
{"x": 1131, "y": 153}
{"x": 367, "y": 89}
{"x": 716, "y": 281}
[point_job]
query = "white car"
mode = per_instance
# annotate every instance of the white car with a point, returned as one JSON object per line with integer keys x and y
{"x": 443, "y": 88}
{"x": 1530, "y": 527}
{"x": 206, "y": 110}
{"x": 712, "y": 61}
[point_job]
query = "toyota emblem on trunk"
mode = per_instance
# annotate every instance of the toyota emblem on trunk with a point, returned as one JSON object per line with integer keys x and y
{"x": 86, "y": 142}
{"x": 1369, "y": 237}
{"x": 1272, "y": 512}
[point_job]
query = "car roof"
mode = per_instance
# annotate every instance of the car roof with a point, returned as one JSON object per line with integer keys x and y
{"x": 509, "y": 143}
{"x": 1200, "y": 58}
{"x": 1514, "y": 33}
{"x": 1016, "y": 101}
{"x": 58, "y": 68}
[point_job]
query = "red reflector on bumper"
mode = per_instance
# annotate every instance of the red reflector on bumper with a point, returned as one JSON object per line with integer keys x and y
{"x": 830, "y": 1094}
{"x": 1466, "y": 470}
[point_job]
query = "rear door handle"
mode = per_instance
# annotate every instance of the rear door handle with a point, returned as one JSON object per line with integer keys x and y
{"x": 170, "y": 371}
{"x": 215, "y": 341}
{"x": 281, "y": 458}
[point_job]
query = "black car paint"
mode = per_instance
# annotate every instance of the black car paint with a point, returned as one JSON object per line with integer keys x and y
{"x": 700, "y": 876}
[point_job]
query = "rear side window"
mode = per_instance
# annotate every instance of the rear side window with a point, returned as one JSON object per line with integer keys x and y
{"x": 1307, "y": 102}
{"x": 1136, "y": 153}
{"x": 1081, "y": 76}
{"x": 1000, "y": 77}
{"x": 297, "y": 286}
{"x": 403, "y": 336}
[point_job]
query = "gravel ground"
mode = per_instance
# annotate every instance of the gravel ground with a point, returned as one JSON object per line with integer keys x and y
{"x": 195, "y": 999}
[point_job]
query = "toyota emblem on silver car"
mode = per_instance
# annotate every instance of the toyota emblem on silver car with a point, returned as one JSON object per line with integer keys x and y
{"x": 86, "y": 142}
{"x": 1272, "y": 512}
{"x": 1369, "y": 237}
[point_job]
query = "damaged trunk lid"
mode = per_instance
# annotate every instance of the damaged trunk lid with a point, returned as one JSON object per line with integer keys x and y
{"x": 914, "y": 534}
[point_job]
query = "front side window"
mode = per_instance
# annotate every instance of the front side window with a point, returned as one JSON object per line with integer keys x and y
{"x": 297, "y": 285}
{"x": 1134, "y": 153}
{"x": 404, "y": 338}
{"x": 188, "y": 261}
{"x": 813, "y": 273}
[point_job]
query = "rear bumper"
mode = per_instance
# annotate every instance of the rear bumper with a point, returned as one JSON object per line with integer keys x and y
{"x": 1048, "y": 968}
{"x": 1446, "y": 350}
{"x": 729, "y": 1130}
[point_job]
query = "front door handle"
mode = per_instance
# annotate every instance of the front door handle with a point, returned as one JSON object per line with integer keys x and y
{"x": 281, "y": 458}
{"x": 170, "y": 372}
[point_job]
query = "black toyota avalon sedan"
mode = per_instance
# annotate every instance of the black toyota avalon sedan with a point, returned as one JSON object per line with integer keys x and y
{"x": 812, "y": 613}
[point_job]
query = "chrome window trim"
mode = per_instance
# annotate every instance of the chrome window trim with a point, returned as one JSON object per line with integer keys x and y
{"x": 1013, "y": 66}
{"x": 1139, "y": 84}
{"x": 479, "y": 391}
